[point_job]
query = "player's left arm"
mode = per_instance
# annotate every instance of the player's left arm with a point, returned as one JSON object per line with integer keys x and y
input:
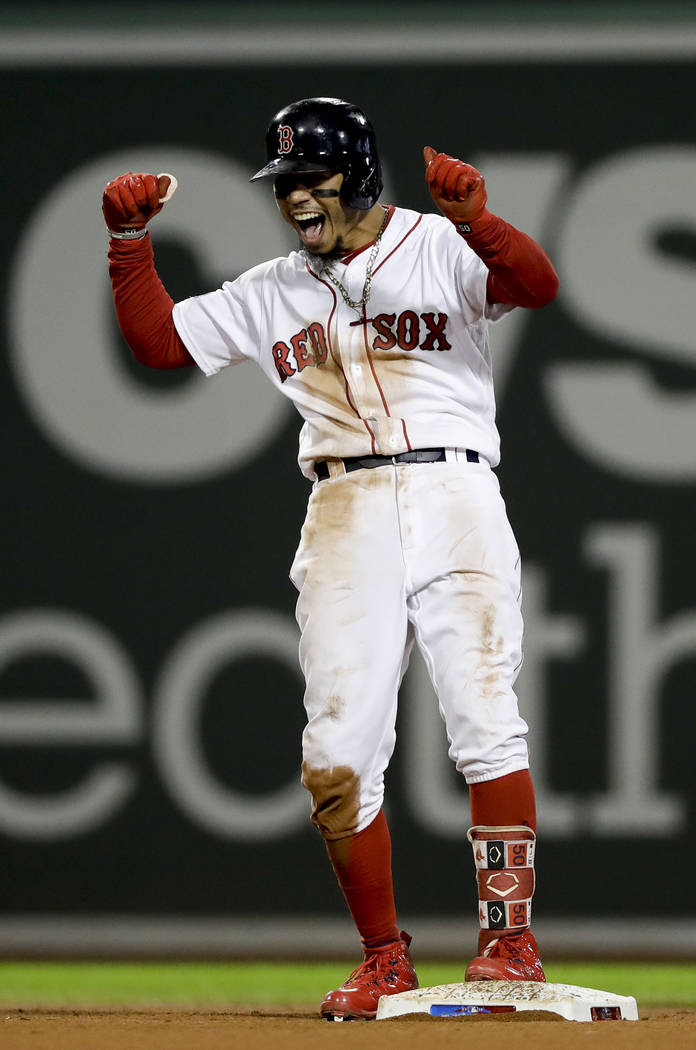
{"x": 520, "y": 272}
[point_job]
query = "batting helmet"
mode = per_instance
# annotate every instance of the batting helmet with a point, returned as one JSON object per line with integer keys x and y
{"x": 326, "y": 134}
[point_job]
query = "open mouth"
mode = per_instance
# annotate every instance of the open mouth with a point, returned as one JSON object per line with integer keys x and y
{"x": 311, "y": 225}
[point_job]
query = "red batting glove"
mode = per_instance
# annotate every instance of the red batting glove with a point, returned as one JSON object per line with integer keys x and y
{"x": 458, "y": 189}
{"x": 130, "y": 201}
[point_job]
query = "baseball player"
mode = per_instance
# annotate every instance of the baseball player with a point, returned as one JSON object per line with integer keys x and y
{"x": 376, "y": 329}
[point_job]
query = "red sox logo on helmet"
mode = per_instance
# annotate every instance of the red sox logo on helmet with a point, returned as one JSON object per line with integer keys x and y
{"x": 285, "y": 138}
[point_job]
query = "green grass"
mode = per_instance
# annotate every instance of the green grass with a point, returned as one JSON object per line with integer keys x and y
{"x": 288, "y": 984}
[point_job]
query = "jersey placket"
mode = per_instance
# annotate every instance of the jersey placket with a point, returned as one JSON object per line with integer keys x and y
{"x": 352, "y": 342}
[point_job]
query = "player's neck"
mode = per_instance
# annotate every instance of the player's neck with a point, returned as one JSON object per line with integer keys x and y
{"x": 365, "y": 229}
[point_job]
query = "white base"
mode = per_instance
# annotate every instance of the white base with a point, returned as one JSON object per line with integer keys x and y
{"x": 487, "y": 997}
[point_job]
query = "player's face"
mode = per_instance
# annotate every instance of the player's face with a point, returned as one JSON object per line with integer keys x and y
{"x": 310, "y": 202}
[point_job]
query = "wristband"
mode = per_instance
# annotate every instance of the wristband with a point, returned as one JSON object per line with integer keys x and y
{"x": 133, "y": 233}
{"x": 474, "y": 225}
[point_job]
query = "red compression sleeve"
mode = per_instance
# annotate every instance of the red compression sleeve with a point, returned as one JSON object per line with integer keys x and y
{"x": 520, "y": 271}
{"x": 143, "y": 307}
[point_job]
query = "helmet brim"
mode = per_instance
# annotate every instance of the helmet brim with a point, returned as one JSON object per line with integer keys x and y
{"x": 286, "y": 165}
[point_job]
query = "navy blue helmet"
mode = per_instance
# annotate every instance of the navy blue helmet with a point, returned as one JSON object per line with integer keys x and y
{"x": 326, "y": 134}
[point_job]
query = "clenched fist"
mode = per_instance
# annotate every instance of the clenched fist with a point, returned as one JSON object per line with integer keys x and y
{"x": 458, "y": 189}
{"x": 132, "y": 199}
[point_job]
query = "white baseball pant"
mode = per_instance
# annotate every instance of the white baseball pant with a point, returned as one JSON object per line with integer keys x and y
{"x": 386, "y": 554}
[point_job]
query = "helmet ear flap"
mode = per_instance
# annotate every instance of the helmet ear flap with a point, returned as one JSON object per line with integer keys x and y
{"x": 362, "y": 190}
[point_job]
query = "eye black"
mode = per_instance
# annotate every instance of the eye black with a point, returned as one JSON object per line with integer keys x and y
{"x": 285, "y": 184}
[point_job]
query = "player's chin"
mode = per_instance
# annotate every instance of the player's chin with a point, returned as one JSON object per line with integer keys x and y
{"x": 331, "y": 248}
{"x": 321, "y": 248}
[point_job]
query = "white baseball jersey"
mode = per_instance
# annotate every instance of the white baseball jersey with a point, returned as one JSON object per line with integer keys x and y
{"x": 416, "y": 374}
{"x": 409, "y": 550}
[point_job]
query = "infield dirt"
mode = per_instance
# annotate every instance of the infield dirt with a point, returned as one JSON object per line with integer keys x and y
{"x": 282, "y": 1029}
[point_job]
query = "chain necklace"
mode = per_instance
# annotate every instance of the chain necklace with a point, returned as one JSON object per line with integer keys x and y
{"x": 361, "y": 303}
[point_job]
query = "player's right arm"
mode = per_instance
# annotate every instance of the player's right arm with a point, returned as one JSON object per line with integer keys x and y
{"x": 143, "y": 306}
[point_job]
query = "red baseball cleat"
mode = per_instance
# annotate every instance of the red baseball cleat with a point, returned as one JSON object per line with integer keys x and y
{"x": 385, "y": 971}
{"x": 511, "y": 957}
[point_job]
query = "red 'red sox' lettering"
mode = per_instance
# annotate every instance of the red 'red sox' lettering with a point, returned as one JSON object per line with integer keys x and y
{"x": 410, "y": 330}
{"x": 303, "y": 355}
{"x": 280, "y": 353}
{"x": 436, "y": 333}
{"x": 319, "y": 344}
{"x": 385, "y": 339}
{"x": 309, "y": 347}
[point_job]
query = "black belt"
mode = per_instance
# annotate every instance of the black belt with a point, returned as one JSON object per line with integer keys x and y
{"x": 418, "y": 455}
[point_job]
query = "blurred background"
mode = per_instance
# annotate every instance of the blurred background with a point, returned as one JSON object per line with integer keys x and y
{"x": 150, "y": 698}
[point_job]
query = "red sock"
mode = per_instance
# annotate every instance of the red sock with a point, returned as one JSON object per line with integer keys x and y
{"x": 504, "y": 801}
{"x": 363, "y": 868}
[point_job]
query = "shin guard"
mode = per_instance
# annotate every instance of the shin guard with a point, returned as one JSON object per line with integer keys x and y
{"x": 504, "y": 858}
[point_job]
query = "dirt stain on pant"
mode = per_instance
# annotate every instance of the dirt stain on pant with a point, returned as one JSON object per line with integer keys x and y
{"x": 335, "y": 707}
{"x": 491, "y": 649}
{"x": 336, "y": 799}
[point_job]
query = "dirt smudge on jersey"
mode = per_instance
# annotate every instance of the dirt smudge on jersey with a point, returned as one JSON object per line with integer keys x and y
{"x": 332, "y": 400}
{"x": 397, "y": 368}
{"x": 328, "y": 387}
{"x": 336, "y": 799}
